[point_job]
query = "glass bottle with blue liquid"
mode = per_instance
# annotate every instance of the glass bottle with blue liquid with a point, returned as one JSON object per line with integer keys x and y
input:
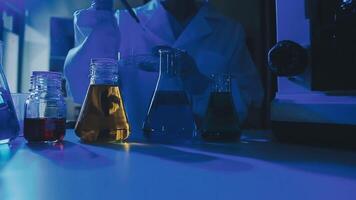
{"x": 170, "y": 117}
{"x": 9, "y": 125}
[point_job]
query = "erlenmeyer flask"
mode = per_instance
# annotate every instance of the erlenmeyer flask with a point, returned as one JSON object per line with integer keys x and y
{"x": 221, "y": 122}
{"x": 170, "y": 117}
{"x": 9, "y": 125}
{"x": 103, "y": 116}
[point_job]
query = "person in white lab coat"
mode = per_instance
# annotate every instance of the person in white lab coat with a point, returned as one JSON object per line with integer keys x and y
{"x": 216, "y": 44}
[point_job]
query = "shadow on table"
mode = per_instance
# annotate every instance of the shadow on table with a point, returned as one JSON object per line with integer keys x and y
{"x": 335, "y": 162}
{"x": 167, "y": 153}
{"x": 70, "y": 155}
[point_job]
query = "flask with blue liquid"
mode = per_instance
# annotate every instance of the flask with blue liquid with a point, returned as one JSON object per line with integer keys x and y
{"x": 9, "y": 125}
{"x": 170, "y": 117}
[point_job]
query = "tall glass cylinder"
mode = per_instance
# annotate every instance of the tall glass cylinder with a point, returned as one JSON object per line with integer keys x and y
{"x": 9, "y": 125}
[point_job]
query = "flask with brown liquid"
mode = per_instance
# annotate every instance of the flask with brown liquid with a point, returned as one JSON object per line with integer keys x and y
{"x": 221, "y": 122}
{"x": 103, "y": 117}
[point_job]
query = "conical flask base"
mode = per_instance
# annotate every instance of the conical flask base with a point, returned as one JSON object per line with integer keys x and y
{"x": 103, "y": 116}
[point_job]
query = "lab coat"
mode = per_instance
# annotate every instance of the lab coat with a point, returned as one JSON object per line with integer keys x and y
{"x": 216, "y": 43}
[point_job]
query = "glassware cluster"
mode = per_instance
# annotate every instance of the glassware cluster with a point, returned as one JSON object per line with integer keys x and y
{"x": 103, "y": 116}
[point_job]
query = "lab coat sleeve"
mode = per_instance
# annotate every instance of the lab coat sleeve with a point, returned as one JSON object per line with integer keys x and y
{"x": 247, "y": 77}
{"x": 96, "y": 36}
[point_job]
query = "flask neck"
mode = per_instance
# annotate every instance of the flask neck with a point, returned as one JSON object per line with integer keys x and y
{"x": 169, "y": 76}
{"x": 222, "y": 83}
{"x": 46, "y": 82}
{"x": 168, "y": 63}
{"x": 104, "y": 72}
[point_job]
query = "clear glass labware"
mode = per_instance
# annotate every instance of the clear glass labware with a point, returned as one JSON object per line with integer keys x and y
{"x": 45, "y": 108}
{"x": 221, "y": 122}
{"x": 103, "y": 116}
{"x": 9, "y": 125}
{"x": 170, "y": 117}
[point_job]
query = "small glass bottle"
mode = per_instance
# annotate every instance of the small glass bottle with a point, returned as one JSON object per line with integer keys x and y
{"x": 103, "y": 116}
{"x": 9, "y": 125}
{"x": 170, "y": 117}
{"x": 221, "y": 122}
{"x": 45, "y": 108}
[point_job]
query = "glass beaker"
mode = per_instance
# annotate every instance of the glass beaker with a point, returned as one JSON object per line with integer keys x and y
{"x": 45, "y": 108}
{"x": 103, "y": 115}
{"x": 221, "y": 122}
{"x": 9, "y": 125}
{"x": 170, "y": 117}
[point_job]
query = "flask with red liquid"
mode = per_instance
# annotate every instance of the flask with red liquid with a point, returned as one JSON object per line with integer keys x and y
{"x": 45, "y": 108}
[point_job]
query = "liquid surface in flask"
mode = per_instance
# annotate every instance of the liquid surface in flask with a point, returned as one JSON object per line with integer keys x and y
{"x": 103, "y": 117}
{"x": 221, "y": 122}
{"x": 9, "y": 126}
{"x": 170, "y": 117}
{"x": 44, "y": 129}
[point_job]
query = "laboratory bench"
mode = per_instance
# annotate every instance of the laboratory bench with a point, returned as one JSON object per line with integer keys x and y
{"x": 255, "y": 168}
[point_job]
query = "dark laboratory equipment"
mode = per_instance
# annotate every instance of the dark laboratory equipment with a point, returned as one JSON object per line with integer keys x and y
{"x": 327, "y": 28}
{"x": 103, "y": 116}
{"x": 170, "y": 117}
{"x": 288, "y": 58}
{"x": 9, "y": 125}
{"x": 333, "y": 49}
{"x": 317, "y": 107}
{"x": 221, "y": 122}
{"x": 45, "y": 108}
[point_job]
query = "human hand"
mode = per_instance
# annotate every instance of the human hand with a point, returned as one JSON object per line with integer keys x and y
{"x": 100, "y": 26}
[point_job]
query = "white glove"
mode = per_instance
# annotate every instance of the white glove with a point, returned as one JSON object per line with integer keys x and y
{"x": 97, "y": 35}
{"x": 100, "y": 28}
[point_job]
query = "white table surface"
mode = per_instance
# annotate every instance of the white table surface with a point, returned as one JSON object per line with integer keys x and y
{"x": 249, "y": 170}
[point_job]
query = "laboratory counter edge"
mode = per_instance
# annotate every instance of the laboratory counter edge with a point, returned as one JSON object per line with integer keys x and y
{"x": 254, "y": 168}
